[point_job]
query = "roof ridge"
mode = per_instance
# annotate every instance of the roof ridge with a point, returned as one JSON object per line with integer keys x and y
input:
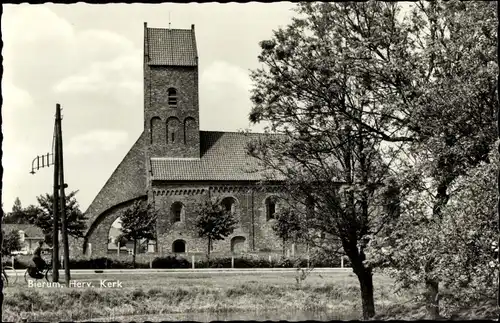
{"x": 238, "y": 132}
{"x": 176, "y": 29}
{"x": 176, "y": 158}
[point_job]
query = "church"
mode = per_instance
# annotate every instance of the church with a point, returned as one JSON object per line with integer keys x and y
{"x": 174, "y": 165}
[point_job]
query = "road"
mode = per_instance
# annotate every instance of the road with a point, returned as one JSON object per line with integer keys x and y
{"x": 189, "y": 271}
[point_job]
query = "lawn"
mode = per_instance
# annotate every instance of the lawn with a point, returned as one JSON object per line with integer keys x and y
{"x": 249, "y": 296}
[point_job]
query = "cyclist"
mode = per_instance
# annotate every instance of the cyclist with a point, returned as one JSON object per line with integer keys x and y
{"x": 40, "y": 264}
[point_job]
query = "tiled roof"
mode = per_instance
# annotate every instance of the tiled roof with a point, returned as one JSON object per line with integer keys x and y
{"x": 173, "y": 47}
{"x": 30, "y": 231}
{"x": 223, "y": 157}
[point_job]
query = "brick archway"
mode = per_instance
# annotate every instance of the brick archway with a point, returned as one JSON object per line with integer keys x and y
{"x": 97, "y": 234}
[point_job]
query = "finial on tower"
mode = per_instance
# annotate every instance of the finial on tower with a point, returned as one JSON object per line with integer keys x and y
{"x": 169, "y": 20}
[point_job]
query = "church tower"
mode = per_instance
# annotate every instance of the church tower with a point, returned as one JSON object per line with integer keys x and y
{"x": 171, "y": 110}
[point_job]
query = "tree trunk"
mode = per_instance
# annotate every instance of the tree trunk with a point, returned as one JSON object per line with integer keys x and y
{"x": 365, "y": 279}
{"x": 208, "y": 251}
{"x": 432, "y": 285}
{"x": 133, "y": 253}
{"x": 283, "y": 247}
{"x": 432, "y": 299}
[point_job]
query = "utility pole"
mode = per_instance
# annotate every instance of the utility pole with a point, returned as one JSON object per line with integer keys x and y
{"x": 55, "y": 228}
{"x": 62, "y": 185}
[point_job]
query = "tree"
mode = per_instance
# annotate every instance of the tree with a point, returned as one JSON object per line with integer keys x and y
{"x": 11, "y": 242}
{"x": 462, "y": 243}
{"x": 43, "y": 216}
{"x": 213, "y": 222}
{"x": 138, "y": 222}
{"x": 287, "y": 226}
{"x": 18, "y": 214}
{"x": 332, "y": 182}
{"x": 424, "y": 86}
{"x": 454, "y": 113}
{"x": 332, "y": 165}
{"x": 468, "y": 237}
{"x": 120, "y": 242}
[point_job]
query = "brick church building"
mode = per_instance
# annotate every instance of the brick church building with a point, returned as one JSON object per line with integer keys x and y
{"x": 175, "y": 165}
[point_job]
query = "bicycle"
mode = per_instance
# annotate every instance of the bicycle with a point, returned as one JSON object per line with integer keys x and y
{"x": 47, "y": 273}
{"x": 5, "y": 277}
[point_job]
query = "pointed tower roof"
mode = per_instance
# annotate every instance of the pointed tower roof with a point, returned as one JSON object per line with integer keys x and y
{"x": 170, "y": 47}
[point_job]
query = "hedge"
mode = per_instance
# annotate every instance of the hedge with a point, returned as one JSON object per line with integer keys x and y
{"x": 179, "y": 262}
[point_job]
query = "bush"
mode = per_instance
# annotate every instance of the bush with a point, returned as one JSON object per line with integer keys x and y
{"x": 167, "y": 262}
{"x": 170, "y": 262}
{"x": 105, "y": 263}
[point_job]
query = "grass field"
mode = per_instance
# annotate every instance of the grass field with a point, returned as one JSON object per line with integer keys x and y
{"x": 208, "y": 297}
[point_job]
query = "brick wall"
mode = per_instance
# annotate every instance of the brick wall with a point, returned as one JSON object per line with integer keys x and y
{"x": 182, "y": 120}
{"x": 249, "y": 210}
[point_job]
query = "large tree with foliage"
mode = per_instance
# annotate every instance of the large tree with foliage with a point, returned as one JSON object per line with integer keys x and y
{"x": 138, "y": 222}
{"x": 332, "y": 164}
{"x": 453, "y": 119}
{"x": 423, "y": 84}
{"x": 213, "y": 222}
{"x": 42, "y": 216}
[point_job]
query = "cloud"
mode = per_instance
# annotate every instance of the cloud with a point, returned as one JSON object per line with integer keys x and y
{"x": 14, "y": 97}
{"x": 103, "y": 45}
{"x": 39, "y": 46}
{"x": 224, "y": 97}
{"x": 96, "y": 141}
{"x": 220, "y": 74}
{"x": 27, "y": 23}
{"x": 15, "y": 105}
{"x": 119, "y": 78}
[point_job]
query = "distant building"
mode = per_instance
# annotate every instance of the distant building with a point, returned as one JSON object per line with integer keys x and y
{"x": 175, "y": 165}
{"x": 29, "y": 234}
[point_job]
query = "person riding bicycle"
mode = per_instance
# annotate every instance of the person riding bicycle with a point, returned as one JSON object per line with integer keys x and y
{"x": 40, "y": 264}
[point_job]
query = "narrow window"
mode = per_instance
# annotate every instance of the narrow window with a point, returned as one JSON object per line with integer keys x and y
{"x": 176, "y": 211}
{"x": 229, "y": 204}
{"x": 172, "y": 97}
{"x": 271, "y": 208}
{"x": 177, "y": 215}
{"x": 173, "y": 136}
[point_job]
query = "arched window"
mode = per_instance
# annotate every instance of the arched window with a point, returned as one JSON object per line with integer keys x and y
{"x": 172, "y": 130}
{"x": 229, "y": 204}
{"x": 172, "y": 97}
{"x": 155, "y": 130}
{"x": 238, "y": 244}
{"x": 177, "y": 212}
{"x": 179, "y": 246}
{"x": 271, "y": 207}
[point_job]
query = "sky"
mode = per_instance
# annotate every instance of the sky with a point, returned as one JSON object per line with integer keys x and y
{"x": 88, "y": 58}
